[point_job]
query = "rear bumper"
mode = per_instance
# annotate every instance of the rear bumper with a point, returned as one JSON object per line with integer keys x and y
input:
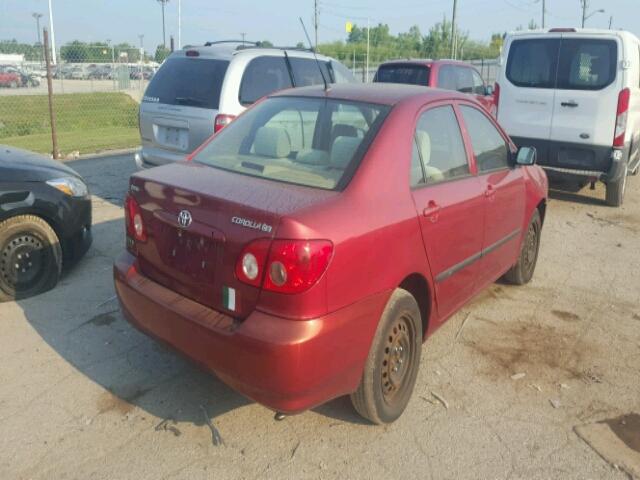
{"x": 286, "y": 365}
{"x": 149, "y": 156}
{"x": 565, "y": 159}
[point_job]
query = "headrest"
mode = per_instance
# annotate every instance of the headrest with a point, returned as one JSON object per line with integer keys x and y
{"x": 272, "y": 142}
{"x": 342, "y": 151}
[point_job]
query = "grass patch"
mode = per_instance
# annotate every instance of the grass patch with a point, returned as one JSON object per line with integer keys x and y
{"x": 87, "y": 122}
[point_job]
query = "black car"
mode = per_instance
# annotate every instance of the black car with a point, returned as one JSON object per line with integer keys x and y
{"x": 45, "y": 222}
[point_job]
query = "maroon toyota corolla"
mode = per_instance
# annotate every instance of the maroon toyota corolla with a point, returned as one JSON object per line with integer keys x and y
{"x": 306, "y": 250}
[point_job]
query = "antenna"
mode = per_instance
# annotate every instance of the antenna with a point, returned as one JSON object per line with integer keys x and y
{"x": 324, "y": 80}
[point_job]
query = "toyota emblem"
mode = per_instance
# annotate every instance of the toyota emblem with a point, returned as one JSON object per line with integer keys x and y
{"x": 184, "y": 218}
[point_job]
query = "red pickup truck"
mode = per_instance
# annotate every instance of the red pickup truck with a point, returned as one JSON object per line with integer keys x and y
{"x": 447, "y": 74}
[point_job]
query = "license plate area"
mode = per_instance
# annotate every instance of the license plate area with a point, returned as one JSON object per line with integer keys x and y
{"x": 174, "y": 137}
{"x": 189, "y": 253}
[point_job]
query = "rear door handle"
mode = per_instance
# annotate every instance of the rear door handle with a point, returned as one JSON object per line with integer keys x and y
{"x": 432, "y": 211}
{"x": 571, "y": 104}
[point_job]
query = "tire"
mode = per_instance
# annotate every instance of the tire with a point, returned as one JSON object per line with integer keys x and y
{"x": 615, "y": 190}
{"x": 522, "y": 271}
{"x": 392, "y": 365}
{"x": 30, "y": 257}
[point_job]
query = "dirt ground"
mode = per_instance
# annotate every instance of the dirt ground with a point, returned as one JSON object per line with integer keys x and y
{"x": 83, "y": 395}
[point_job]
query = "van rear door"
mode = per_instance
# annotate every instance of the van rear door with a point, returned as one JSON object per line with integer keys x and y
{"x": 527, "y": 94}
{"x": 588, "y": 85}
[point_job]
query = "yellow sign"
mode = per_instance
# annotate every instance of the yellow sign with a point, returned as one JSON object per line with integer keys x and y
{"x": 348, "y": 27}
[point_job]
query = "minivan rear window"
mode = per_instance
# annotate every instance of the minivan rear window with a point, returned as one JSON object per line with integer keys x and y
{"x": 532, "y": 62}
{"x": 188, "y": 81}
{"x": 410, "y": 74}
{"x": 587, "y": 64}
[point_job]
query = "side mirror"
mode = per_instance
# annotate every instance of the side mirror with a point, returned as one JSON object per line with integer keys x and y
{"x": 488, "y": 90}
{"x": 526, "y": 156}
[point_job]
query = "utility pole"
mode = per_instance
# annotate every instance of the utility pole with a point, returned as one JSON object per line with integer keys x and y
{"x": 164, "y": 36}
{"x": 179, "y": 24}
{"x": 37, "y": 16}
{"x": 53, "y": 37}
{"x": 453, "y": 29}
{"x": 368, "y": 43}
{"x": 585, "y": 5}
{"x": 315, "y": 20}
{"x": 610, "y": 22}
{"x": 544, "y": 11}
{"x": 52, "y": 113}
{"x": 243, "y": 35}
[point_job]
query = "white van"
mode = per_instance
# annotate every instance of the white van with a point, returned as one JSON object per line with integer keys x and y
{"x": 574, "y": 94}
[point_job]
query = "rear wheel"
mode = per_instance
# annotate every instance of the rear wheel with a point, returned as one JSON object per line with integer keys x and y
{"x": 615, "y": 190}
{"x": 30, "y": 257}
{"x": 522, "y": 271}
{"x": 392, "y": 365}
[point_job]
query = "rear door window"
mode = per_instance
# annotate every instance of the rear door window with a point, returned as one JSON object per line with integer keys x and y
{"x": 489, "y": 147}
{"x": 532, "y": 62}
{"x": 264, "y": 75}
{"x": 306, "y": 72}
{"x": 447, "y": 78}
{"x": 587, "y": 64}
{"x": 409, "y": 74}
{"x": 194, "y": 82}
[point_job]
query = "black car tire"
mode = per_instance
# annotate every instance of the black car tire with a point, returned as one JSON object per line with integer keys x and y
{"x": 615, "y": 190}
{"x": 31, "y": 243}
{"x": 522, "y": 271}
{"x": 384, "y": 393}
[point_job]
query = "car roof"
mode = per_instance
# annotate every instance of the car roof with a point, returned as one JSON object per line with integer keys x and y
{"x": 376, "y": 93}
{"x": 425, "y": 61}
{"x": 574, "y": 31}
{"x": 227, "y": 51}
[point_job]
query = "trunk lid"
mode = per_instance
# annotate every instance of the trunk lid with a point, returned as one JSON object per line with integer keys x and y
{"x": 227, "y": 211}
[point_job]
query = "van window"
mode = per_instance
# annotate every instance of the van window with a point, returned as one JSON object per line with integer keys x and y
{"x": 306, "y": 72}
{"x": 587, "y": 64}
{"x": 447, "y": 78}
{"x": 410, "y": 74}
{"x": 532, "y": 62}
{"x": 478, "y": 84}
{"x": 340, "y": 73}
{"x": 489, "y": 147}
{"x": 194, "y": 82}
{"x": 464, "y": 79}
{"x": 264, "y": 75}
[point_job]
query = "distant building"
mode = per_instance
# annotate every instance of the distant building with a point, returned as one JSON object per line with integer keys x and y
{"x": 11, "y": 58}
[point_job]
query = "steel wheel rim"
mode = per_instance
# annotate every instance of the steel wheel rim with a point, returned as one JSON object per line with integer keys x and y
{"x": 397, "y": 359}
{"x": 22, "y": 261}
{"x": 530, "y": 248}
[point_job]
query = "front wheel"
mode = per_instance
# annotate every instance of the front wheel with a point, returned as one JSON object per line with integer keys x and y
{"x": 522, "y": 271}
{"x": 392, "y": 365}
{"x": 30, "y": 257}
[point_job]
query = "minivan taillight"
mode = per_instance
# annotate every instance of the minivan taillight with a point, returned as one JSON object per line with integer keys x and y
{"x": 222, "y": 121}
{"x": 288, "y": 266}
{"x": 133, "y": 219}
{"x": 621, "y": 118}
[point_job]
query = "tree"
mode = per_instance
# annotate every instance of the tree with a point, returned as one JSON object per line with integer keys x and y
{"x": 75, "y": 51}
{"x": 264, "y": 43}
{"x": 162, "y": 52}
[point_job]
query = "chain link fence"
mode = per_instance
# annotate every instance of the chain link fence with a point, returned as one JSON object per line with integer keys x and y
{"x": 95, "y": 94}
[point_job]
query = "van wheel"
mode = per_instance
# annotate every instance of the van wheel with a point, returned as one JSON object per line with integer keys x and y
{"x": 30, "y": 257}
{"x": 522, "y": 271}
{"x": 615, "y": 190}
{"x": 392, "y": 365}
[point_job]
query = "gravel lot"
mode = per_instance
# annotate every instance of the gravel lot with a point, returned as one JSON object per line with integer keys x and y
{"x": 84, "y": 395}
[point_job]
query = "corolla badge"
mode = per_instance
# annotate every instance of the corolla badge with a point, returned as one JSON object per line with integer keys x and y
{"x": 184, "y": 218}
{"x": 244, "y": 222}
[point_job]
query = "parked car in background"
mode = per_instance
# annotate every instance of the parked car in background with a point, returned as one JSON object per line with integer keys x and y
{"x": 199, "y": 90}
{"x": 448, "y": 74}
{"x": 9, "y": 78}
{"x": 575, "y": 95}
{"x": 45, "y": 222}
{"x": 101, "y": 72}
{"x": 307, "y": 249}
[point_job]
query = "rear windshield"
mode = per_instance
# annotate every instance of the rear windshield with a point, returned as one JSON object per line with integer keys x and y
{"x": 189, "y": 81}
{"x": 306, "y": 141}
{"x": 568, "y": 64}
{"x": 410, "y": 74}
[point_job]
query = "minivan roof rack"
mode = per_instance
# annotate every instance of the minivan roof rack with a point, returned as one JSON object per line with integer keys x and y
{"x": 218, "y": 42}
{"x": 277, "y": 47}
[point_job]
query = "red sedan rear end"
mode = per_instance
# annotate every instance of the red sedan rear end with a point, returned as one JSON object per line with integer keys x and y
{"x": 308, "y": 248}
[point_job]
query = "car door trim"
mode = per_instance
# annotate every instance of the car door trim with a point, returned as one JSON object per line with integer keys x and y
{"x": 476, "y": 256}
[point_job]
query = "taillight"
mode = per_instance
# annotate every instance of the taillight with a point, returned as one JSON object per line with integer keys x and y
{"x": 621, "y": 117}
{"x": 133, "y": 220}
{"x": 289, "y": 266}
{"x": 222, "y": 121}
{"x": 496, "y": 97}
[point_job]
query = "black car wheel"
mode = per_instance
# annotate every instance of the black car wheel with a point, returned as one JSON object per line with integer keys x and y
{"x": 392, "y": 365}
{"x": 30, "y": 257}
{"x": 522, "y": 271}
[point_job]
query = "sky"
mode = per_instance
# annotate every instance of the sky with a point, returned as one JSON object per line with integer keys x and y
{"x": 277, "y": 20}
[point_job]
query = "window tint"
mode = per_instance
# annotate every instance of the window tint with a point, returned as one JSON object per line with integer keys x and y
{"x": 447, "y": 78}
{"x": 532, "y": 63}
{"x": 478, "y": 83}
{"x": 489, "y": 147}
{"x": 306, "y": 72}
{"x": 195, "y": 82}
{"x": 587, "y": 64}
{"x": 263, "y": 76}
{"x": 410, "y": 74}
{"x": 307, "y": 141}
{"x": 440, "y": 145}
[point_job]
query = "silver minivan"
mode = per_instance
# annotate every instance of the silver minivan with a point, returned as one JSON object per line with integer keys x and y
{"x": 199, "y": 90}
